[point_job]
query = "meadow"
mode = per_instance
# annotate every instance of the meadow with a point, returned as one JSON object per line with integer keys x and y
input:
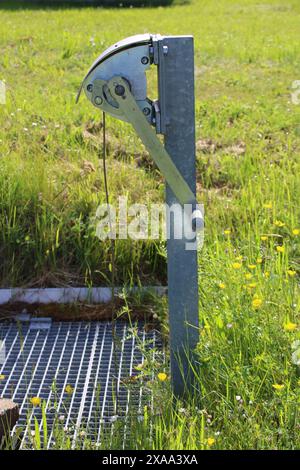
{"x": 248, "y": 149}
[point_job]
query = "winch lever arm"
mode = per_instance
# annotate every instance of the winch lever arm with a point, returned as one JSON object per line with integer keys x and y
{"x": 120, "y": 91}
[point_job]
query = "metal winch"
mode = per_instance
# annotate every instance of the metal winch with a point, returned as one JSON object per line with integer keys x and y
{"x": 117, "y": 84}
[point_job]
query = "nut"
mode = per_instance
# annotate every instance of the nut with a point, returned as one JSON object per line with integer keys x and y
{"x": 98, "y": 100}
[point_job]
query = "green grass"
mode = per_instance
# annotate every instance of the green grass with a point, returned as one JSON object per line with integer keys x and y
{"x": 247, "y": 56}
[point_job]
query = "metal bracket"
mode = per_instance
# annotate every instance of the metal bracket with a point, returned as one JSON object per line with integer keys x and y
{"x": 130, "y": 58}
{"x": 159, "y": 52}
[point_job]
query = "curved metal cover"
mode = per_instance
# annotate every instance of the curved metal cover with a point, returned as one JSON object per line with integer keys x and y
{"x": 127, "y": 43}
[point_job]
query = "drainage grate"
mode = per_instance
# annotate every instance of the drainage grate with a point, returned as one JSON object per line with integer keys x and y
{"x": 42, "y": 359}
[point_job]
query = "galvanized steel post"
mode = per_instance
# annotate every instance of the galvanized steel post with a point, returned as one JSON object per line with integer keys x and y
{"x": 179, "y": 105}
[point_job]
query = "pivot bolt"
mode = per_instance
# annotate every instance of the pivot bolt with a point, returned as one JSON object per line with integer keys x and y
{"x": 165, "y": 50}
{"x": 197, "y": 220}
{"x": 90, "y": 88}
{"x": 98, "y": 100}
{"x": 119, "y": 90}
{"x": 145, "y": 60}
{"x": 146, "y": 111}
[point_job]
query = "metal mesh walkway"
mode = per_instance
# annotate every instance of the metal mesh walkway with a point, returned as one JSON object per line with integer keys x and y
{"x": 71, "y": 367}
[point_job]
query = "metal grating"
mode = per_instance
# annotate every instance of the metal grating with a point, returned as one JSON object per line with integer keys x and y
{"x": 42, "y": 358}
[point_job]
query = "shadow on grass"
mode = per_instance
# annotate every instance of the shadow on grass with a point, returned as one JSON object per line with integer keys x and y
{"x": 58, "y": 4}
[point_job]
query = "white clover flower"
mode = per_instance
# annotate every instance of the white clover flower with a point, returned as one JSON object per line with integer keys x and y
{"x": 295, "y": 344}
{"x": 296, "y": 352}
{"x": 296, "y": 357}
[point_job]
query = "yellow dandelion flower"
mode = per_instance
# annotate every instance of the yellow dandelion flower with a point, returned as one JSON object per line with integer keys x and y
{"x": 280, "y": 249}
{"x": 266, "y": 274}
{"x": 210, "y": 441}
{"x": 227, "y": 231}
{"x": 259, "y": 260}
{"x": 268, "y": 205}
{"x": 278, "y": 386}
{"x": 295, "y": 231}
{"x": 248, "y": 276}
{"x": 263, "y": 238}
{"x": 35, "y": 401}
{"x": 290, "y": 326}
{"x": 162, "y": 376}
{"x": 257, "y": 302}
{"x": 251, "y": 266}
{"x": 69, "y": 389}
{"x": 239, "y": 258}
{"x": 291, "y": 272}
{"x": 222, "y": 285}
{"x": 2, "y": 377}
{"x": 236, "y": 265}
{"x": 279, "y": 223}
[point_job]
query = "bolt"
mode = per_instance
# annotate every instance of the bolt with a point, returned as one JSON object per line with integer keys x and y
{"x": 197, "y": 220}
{"x": 145, "y": 60}
{"x": 90, "y": 88}
{"x": 146, "y": 111}
{"x": 165, "y": 50}
{"x": 98, "y": 100}
{"x": 119, "y": 90}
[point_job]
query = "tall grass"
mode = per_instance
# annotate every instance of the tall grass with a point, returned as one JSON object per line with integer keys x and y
{"x": 248, "y": 179}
